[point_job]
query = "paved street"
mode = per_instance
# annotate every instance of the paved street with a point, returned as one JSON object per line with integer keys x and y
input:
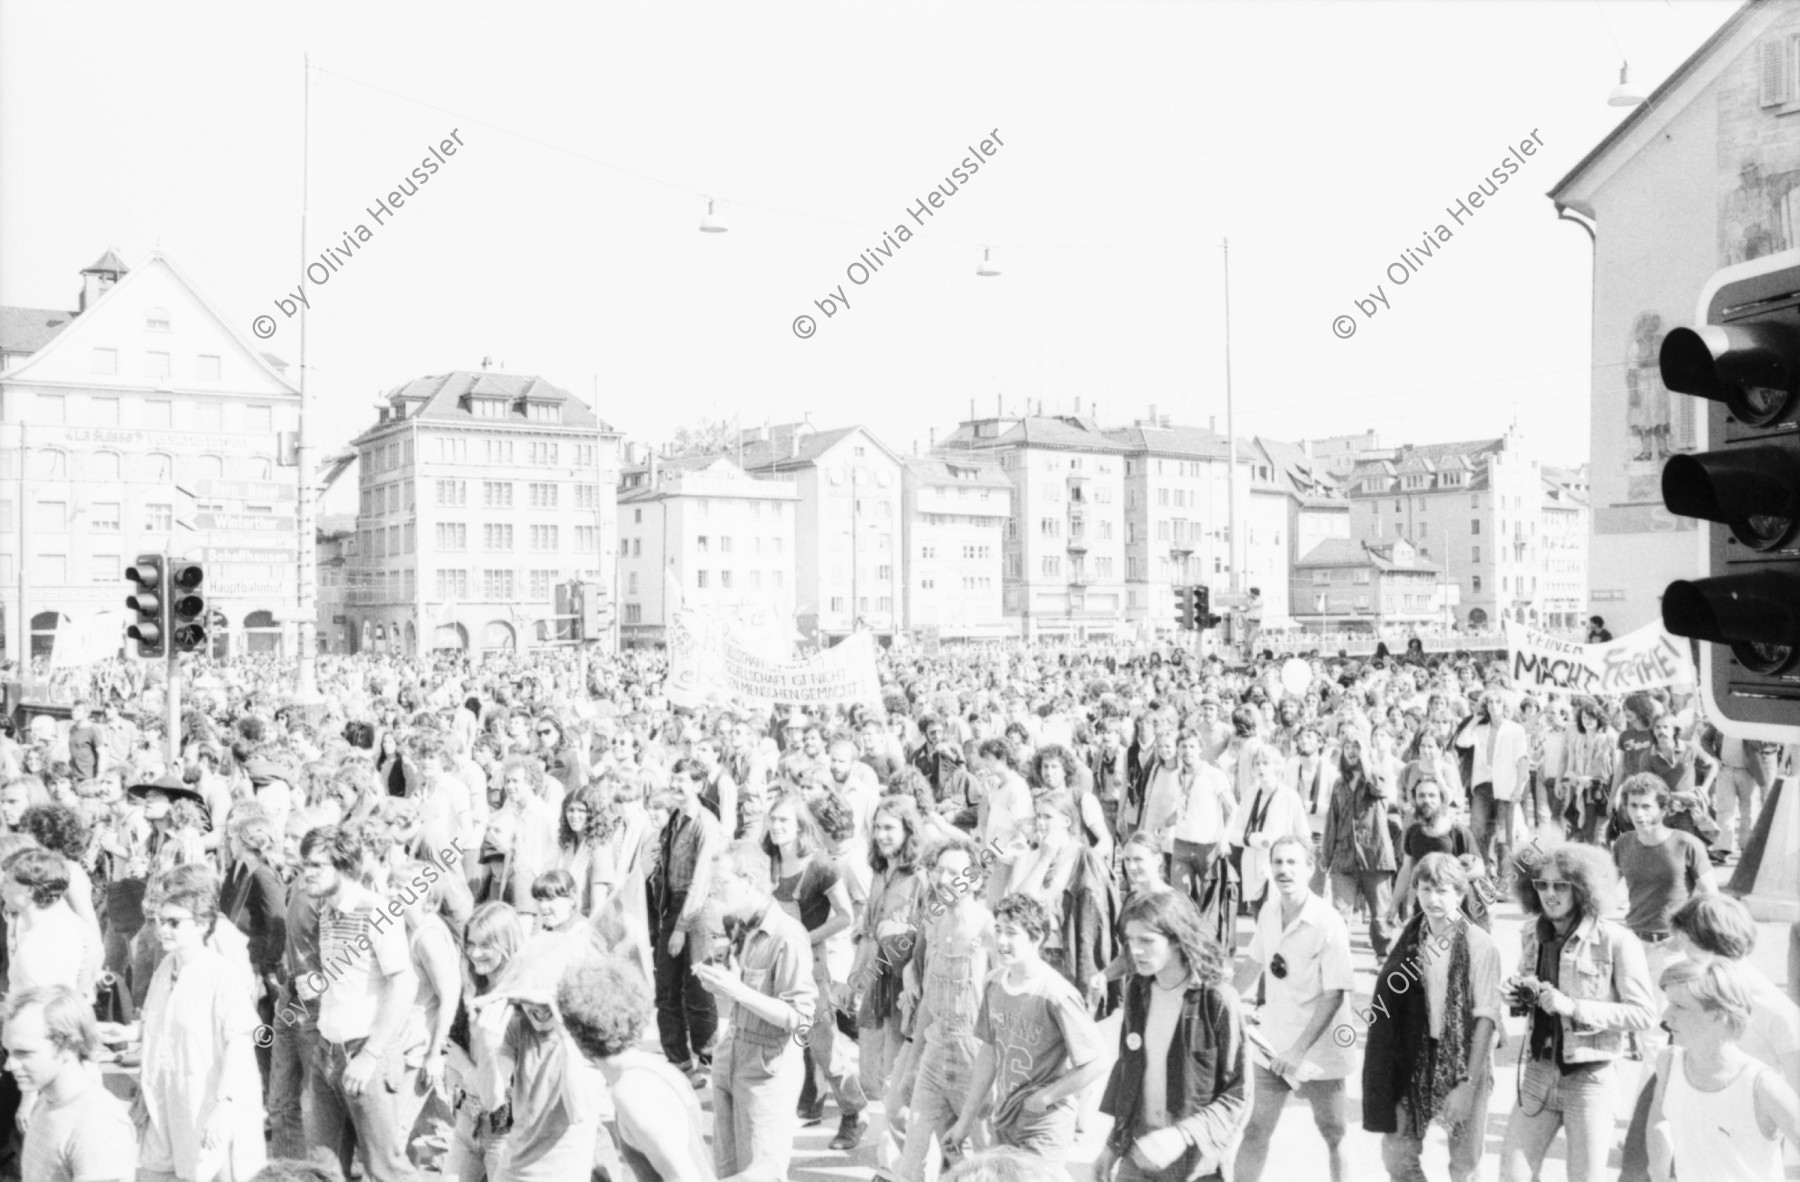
{"x": 1296, "y": 1152}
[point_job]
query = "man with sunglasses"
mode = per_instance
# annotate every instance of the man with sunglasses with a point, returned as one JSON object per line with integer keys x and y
{"x": 1301, "y": 950}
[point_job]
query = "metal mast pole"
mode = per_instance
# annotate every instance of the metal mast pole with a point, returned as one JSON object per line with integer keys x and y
{"x": 1231, "y": 517}
{"x": 306, "y": 687}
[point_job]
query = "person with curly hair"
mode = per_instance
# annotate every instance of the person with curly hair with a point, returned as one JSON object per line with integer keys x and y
{"x": 1039, "y": 1047}
{"x": 606, "y": 1007}
{"x": 60, "y": 829}
{"x": 1054, "y": 768}
{"x": 1585, "y": 984}
{"x": 585, "y": 847}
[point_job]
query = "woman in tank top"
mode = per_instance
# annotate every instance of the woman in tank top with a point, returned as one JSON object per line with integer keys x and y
{"x": 1718, "y": 1114}
{"x": 605, "y": 1007}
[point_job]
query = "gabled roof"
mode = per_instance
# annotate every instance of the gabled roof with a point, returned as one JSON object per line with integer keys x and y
{"x": 1300, "y": 474}
{"x": 1174, "y": 441}
{"x": 1658, "y": 105}
{"x": 778, "y": 452}
{"x": 439, "y": 398}
{"x": 1344, "y": 552}
{"x": 936, "y": 469}
{"x": 26, "y": 330}
{"x": 1430, "y": 457}
{"x": 1066, "y": 433}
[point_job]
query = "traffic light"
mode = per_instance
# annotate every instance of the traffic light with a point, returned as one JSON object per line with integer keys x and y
{"x": 1184, "y": 608}
{"x": 596, "y": 612}
{"x": 146, "y": 603}
{"x": 1203, "y": 617}
{"x": 187, "y": 607}
{"x": 1745, "y": 362}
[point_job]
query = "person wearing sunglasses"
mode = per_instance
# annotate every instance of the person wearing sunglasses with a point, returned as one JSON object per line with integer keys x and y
{"x": 1584, "y": 985}
{"x": 1301, "y": 949}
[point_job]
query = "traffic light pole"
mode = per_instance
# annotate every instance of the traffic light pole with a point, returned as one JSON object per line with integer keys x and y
{"x": 172, "y": 704}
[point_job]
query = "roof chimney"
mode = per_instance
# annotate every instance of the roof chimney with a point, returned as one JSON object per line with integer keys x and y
{"x": 1165, "y": 422}
{"x": 1040, "y": 408}
{"x": 650, "y": 479}
{"x": 1153, "y": 419}
{"x": 1212, "y": 424}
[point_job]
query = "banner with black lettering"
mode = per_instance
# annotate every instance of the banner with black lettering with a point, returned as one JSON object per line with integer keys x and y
{"x": 1643, "y": 659}
{"x": 713, "y": 660}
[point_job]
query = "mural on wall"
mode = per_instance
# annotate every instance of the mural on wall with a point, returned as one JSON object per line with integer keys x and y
{"x": 1758, "y": 216}
{"x": 1657, "y": 425}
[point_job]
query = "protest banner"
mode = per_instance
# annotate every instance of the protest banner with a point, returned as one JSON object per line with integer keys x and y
{"x": 712, "y": 659}
{"x": 1639, "y": 660}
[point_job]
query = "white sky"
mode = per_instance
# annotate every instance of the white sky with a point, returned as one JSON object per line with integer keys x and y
{"x": 1322, "y": 139}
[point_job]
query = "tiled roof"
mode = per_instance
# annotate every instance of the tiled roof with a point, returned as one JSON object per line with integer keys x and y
{"x": 778, "y": 453}
{"x": 1303, "y": 476}
{"x": 1071, "y": 434}
{"x": 1343, "y": 552}
{"x": 442, "y": 395}
{"x": 1173, "y": 441}
{"x": 936, "y": 469}
{"x": 26, "y": 330}
{"x": 109, "y": 261}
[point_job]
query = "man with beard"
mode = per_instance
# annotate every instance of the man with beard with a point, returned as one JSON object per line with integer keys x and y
{"x": 940, "y": 761}
{"x": 1434, "y": 830}
{"x": 801, "y": 764}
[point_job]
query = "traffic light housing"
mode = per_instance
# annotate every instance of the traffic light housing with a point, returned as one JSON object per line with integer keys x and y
{"x": 148, "y": 605}
{"x": 1745, "y": 484}
{"x": 187, "y": 607}
{"x": 1184, "y": 608}
{"x": 1203, "y": 617}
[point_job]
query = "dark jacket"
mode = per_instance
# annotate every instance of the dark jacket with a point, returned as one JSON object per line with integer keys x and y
{"x": 1356, "y": 829}
{"x": 1090, "y": 915}
{"x": 257, "y": 903}
{"x": 1205, "y": 1075}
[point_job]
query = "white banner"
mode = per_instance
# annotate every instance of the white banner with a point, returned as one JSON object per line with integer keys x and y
{"x": 712, "y": 659}
{"x": 83, "y": 642}
{"x": 1640, "y": 660}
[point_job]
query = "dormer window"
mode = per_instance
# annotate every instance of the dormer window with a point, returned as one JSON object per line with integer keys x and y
{"x": 488, "y": 408}
{"x": 156, "y": 320}
{"x": 543, "y": 412}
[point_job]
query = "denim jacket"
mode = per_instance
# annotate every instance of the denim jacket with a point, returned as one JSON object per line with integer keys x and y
{"x": 1603, "y": 969}
{"x": 1205, "y": 1075}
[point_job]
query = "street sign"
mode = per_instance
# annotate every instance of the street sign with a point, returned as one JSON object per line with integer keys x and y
{"x": 246, "y": 490}
{"x": 244, "y": 522}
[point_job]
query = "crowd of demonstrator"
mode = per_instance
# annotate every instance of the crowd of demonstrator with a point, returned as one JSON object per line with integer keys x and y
{"x": 523, "y": 919}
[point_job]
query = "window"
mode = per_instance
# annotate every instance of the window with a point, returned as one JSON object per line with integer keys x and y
{"x": 587, "y": 539}
{"x": 452, "y": 584}
{"x": 637, "y": 517}
{"x": 51, "y": 515}
{"x": 499, "y": 451}
{"x": 700, "y": 543}
{"x": 452, "y": 535}
{"x": 775, "y": 545}
{"x": 106, "y": 568}
{"x": 543, "y": 453}
{"x": 543, "y": 412}
{"x": 260, "y": 420}
{"x": 1475, "y": 526}
{"x": 1474, "y": 553}
{"x": 1476, "y": 580}
{"x": 1051, "y": 565}
{"x": 700, "y": 579}
{"x": 156, "y": 365}
{"x": 540, "y": 586}
{"x": 452, "y": 492}
{"x": 104, "y": 517}
{"x": 587, "y": 496}
{"x": 103, "y": 361}
{"x": 206, "y": 368}
{"x": 497, "y": 585}
{"x": 884, "y": 574}
{"x": 584, "y": 455}
{"x": 927, "y": 552}
{"x": 452, "y": 450}
{"x": 725, "y": 580}
{"x": 488, "y": 408}
{"x": 103, "y": 412}
{"x": 637, "y": 547}
{"x": 497, "y": 494}
{"x": 496, "y": 537}
{"x": 159, "y": 518}
{"x": 543, "y": 496}
{"x": 159, "y": 413}
{"x": 725, "y": 544}
{"x": 543, "y": 537}
{"x": 52, "y": 408}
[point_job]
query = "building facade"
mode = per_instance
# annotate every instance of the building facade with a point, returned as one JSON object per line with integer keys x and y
{"x": 1703, "y": 175}
{"x": 954, "y": 511}
{"x": 1063, "y": 552}
{"x": 724, "y": 538}
{"x": 142, "y": 422}
{"x": 480, "y": 492}
{"x": 1350, "y": 586}
{"x": 1483, "y": 511}
{"x": 847, "y": 535}
{"x": 336, "y": 557}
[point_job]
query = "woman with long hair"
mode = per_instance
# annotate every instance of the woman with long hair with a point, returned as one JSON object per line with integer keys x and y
{"x": 1054, "y": 768}
{"x": 884, "y": 944}
{"x": 584, "y": 834}
{"x": 254, "y": 898}
{"x": 199, "y": 1108}
{"x": 491, "y": 942}
{"x": 564, "y": 758}
{"x": 805, "y": 883}
{"x": 1181, "y": 1022}
{"x": 1590, "y": 755}
{"x": 1358, "y": 848}
{"x": 390, "y": 763}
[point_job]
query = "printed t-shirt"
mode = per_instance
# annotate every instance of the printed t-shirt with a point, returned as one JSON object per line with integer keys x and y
{"x": 1038, "y": 1029}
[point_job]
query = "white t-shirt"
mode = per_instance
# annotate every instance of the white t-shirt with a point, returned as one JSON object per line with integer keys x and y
{"x": 50, "y": 952}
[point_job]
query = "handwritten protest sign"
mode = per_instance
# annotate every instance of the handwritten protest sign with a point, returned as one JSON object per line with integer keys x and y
{"x": 1640, "y": 660}
{"x": 711, "y": 658}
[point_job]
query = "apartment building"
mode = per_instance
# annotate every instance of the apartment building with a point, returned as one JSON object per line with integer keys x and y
{"x": 955, "y": 506}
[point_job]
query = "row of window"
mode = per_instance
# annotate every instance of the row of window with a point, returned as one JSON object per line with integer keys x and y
{"x": 104, "y": 517}
{"x": 457, "y": 449}
{"x": 969, "y": 583}
{"x": 157, "y": 364}
{"x": 156, "y": 414}
{"x": 730, "y": 508}
{"x": 498, "y": 494}
{"x": 704, "y": 579}
{"x": 111, "y": 467}
{"x": 454, "y": 536}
